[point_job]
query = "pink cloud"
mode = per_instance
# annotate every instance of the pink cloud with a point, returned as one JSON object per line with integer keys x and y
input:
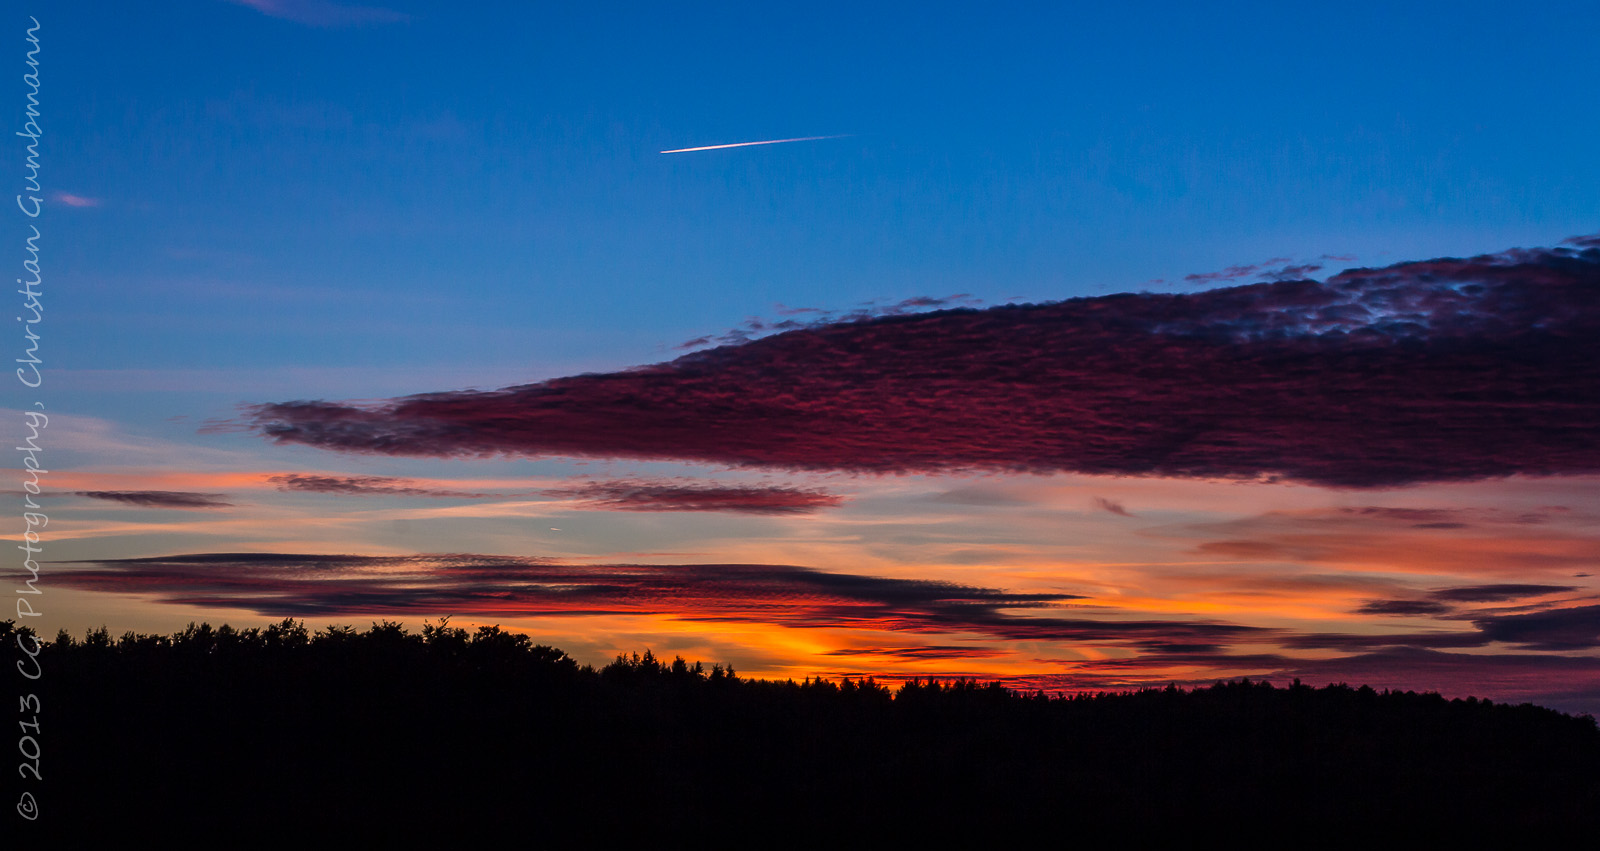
{"x": 677, "y": 496}
{"x": 1431, "y": 371}
{"x": 320, "y": 13}
{"x": 75, "y": 200}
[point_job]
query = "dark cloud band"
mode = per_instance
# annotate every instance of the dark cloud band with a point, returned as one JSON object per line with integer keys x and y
{"x": 667, "y": 496}
{"x": 291, "y": 585}
{"x": 1440, "y": 370}
{"x": 364, "y": 486}
{"x": 160, "y": 499}
{"x": 618, "y": 495}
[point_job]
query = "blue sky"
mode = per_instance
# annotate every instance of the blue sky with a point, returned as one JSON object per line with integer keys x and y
{"x": 482, "y": 188}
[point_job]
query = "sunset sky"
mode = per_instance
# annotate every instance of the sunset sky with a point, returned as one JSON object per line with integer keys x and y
{"x": 1078, "y": 347}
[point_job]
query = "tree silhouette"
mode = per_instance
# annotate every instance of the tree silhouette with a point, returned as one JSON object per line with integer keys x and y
{"x": 278, "y": 728}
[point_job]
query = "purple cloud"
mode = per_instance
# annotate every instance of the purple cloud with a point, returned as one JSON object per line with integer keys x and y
{"x": 1403, "y": 608}
{"x": 1439, "y": 370}
{"x": 321, "y": 13}
{"x": 1233, "y": 273}
{"x": 1112, "y": 506}
{"x": 364, "y": 486}
{"x": 161, "y": 499}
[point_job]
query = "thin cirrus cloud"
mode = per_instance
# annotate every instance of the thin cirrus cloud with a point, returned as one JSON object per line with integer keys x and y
{"x": 1569, "y": 628}
{"x": 659, "y": 496}
{"x": 616, "y": 495}
{"x": 320, "y": 13}
{"x": 1430, "y": 371}
{"x": 1444, "y": 600}
{"x": 1516, "y": 545}
{"x": 1275, "y": 269}
{"x": 186, "y": 500}
{"x": 72, "y": 200}
{"x": 363, "y": 486}
{"x": 757, "y": 326}
{"x": 1403, "y": 608}
{"x": 1233, "y": 273}
{"x": 918, "y": 653}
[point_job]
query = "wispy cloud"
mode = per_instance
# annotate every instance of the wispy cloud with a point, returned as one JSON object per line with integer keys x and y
{"x": 161, "y": 499}
{"x": 1233, "y": 273}
{"x": 1343, "y": 383}
{"x": 1571, "y": 628}
{"x": 75, "y": 200}
{"x": 501, "y": 586}
{"x": 1113, "y": 649}
{"x": 1112, "y": 506}
{"x": 919, "y": 652}
{"x": 1403, "y": 607}
{"x": 364, "y": 486}
{"x": 613, "y": 495}
{"x": 1518, "y": 545}
{"x": 757, "y": 326}
{"x": 667, "y": 496}
{"x": 1557, "y": 629}
{"x": 1448, "y": 601}
{"x": 320, "y": 13}
{"x": 1497, "y": 593}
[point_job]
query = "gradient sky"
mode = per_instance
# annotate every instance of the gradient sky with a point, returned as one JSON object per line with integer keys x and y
{"x": 1275, "y": 396}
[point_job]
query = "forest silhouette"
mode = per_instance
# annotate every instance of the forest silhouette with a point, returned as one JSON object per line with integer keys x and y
{"x": 278, "y": 730}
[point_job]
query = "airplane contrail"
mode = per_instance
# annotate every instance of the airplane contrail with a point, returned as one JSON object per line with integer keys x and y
{"x": 747, "y": 144}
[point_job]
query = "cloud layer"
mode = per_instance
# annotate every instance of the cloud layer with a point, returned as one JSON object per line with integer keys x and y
{"x": 613, "y": 495}
{"x": 307, "y": 586}
{"x": 1440, "y": 602}
{"x": 1571, "y": 628}
{"x": 1440, "y": 370}
{"x": 1512, "y": 650}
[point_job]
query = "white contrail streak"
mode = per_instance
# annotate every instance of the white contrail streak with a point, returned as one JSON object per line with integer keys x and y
{"x": 747, "y": 144}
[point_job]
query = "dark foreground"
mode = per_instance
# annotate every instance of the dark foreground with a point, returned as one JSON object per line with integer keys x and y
{"x": 220, "y": 734}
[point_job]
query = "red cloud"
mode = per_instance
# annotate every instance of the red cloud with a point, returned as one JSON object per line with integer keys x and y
{"x": 1438, "y": 370}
